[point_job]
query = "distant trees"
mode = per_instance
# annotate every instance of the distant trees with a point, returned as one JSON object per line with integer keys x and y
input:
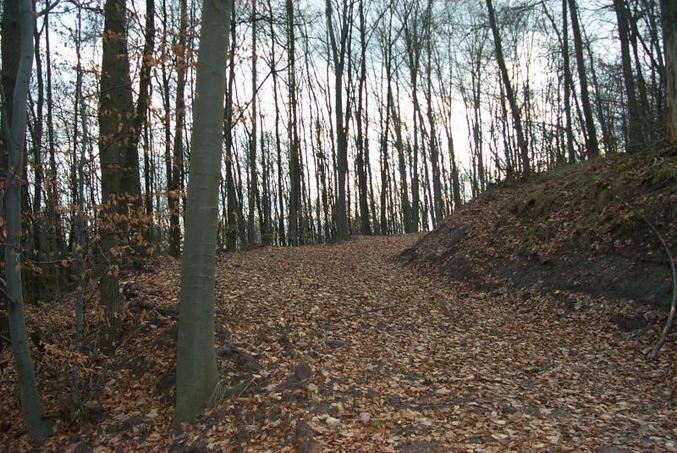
{"x": 359, "y": 140}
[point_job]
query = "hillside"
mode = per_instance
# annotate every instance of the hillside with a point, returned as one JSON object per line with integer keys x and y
{"x": 580, "y": 228}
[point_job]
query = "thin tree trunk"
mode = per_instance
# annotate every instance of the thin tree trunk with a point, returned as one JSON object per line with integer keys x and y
{"x": 591, "y": 135}
{"x": 253, "y": 179}
{"x": 669, "y": 10}
{"x": 514, "y": 109}
{"x": 177, "y": 154}
{"x": 635, "y": 138}
{"x": 295, "y": 199}
{"x": 197, "y": 379}
{"x": 20, "y": 13}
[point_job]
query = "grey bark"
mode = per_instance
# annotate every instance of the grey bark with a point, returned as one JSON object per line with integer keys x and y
{"x": 21, "y": 12}
{"x": 514, "y": 109}
{"x": 592, "y": 144}
{"x": 669, "y": 13}
{"x": 197, "y": 378}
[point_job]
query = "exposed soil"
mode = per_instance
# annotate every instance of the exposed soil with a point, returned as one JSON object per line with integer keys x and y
{"x": 341, "y": 348}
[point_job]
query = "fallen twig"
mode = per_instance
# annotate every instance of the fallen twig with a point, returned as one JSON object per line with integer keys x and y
{"x": 673, "y": 305}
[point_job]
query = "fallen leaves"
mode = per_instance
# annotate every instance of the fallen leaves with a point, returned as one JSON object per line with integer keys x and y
{"x": 338, "y": 348}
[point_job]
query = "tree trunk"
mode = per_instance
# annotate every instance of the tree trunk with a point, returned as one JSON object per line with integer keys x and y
{"x": 669, "y": 9}
{"x": 634, "y": 120}
{"x": 116, "y": 113}
{"x": 514, "y": 109}
{"x": 295, "y": 208}
{"x": 361, "y": 142}
{"x": 591, "y": 136}
{"x": 338, "y": 53}
{"x": 253, "y": 179}
{"x": 197, "y": 379}
{"x": 232, "y": 214}
{"x": 568, "y": 84}
{"x": 177, "y": 153}
{"x": 19, "y": 14}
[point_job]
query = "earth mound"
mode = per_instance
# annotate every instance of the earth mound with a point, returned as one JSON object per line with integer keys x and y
{"x": 582, "y": 228}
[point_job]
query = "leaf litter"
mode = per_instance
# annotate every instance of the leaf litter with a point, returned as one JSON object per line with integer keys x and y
{"x": 341, "y": 348}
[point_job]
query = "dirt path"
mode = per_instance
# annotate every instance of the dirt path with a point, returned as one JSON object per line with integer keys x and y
{"x": 359, "y": 353}
{"x": 340, "y": 348}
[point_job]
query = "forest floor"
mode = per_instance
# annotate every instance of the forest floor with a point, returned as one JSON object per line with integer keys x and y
{"x": 342, "y": 348}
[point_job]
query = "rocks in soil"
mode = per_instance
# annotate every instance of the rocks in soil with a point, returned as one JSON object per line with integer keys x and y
{"x": 83, "y": 447}
{"x": 420, "y": 446}
{"x": 131, "y": 422}
{"x": 629, "y": 323}
{"x": 241, "y": 358}
{"x": 95, "y": 414}
{"x": 302, "y": 372}
{"x": 304, "y": 438}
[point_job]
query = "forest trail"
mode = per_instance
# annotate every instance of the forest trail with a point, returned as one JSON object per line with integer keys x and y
{"x": 343, "y": 348}
{"x": 358, "y": 352}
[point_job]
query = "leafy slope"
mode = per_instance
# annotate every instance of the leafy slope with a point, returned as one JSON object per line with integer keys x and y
{"x": 340, "y": 348}
{"x": 579, "y": 228}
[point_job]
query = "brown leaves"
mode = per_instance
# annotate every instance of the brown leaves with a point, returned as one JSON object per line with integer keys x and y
{"x": 355, "y": 352}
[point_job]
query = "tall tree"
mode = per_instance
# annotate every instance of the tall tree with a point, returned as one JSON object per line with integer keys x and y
{"x": 568, "y": 84}
{"x": 339, "y": 49}
{"x": 295, "y": 198}
{"x": 197, "y": 379}
{"x": 143, "y": 102}
{"x": 634, "y": 120}
{"x": 253, "y": 180}
{"x": 18, "y": 16}
{"x": 361, "y": 141}
{"x": 592, "y": 144}
{"x": 510, "y": 94}
{"x": 176, "y": 168}
{"x": 669, "y": 10}
{"x": 233, "y": 219}
{"x": 118, "y": 156}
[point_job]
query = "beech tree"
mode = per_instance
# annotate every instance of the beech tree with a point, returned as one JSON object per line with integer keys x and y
{"x": 197, "y": 377}
{"x": 19, "y": 14}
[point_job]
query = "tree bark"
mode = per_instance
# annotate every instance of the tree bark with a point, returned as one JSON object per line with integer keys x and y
{"x": 295, "y": 200}
{"x": 669, "y": 11}
{"x": 253, "y": 179}
{"x": 197, "y": 378}
{"x": 635, "y": 138}
{"x": 592, "y": 144}
{"x": 19, "y": 13}
{"x": 120, "y": 182}
{"x": 174, "y": 177}
{"x": 514, "y": 109}
{"x": 338, "y": 54}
